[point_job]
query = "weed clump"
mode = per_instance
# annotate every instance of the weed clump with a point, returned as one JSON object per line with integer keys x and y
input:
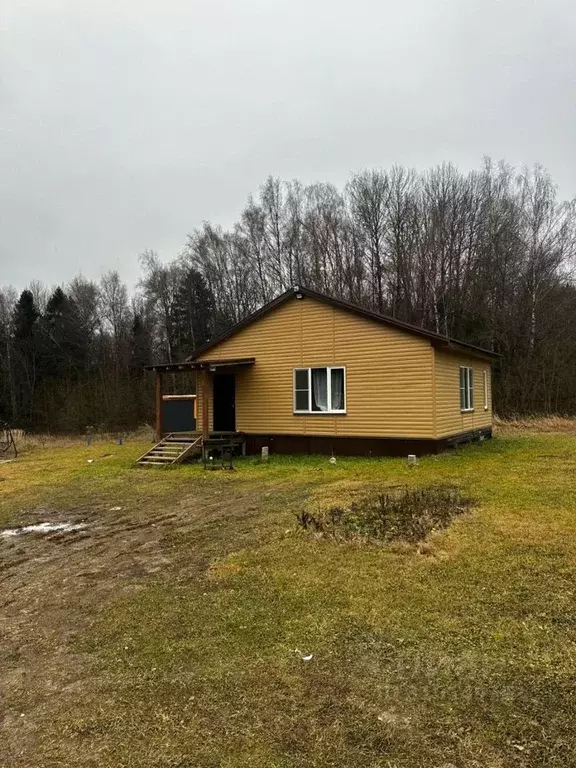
{"x": 395, "y": 514}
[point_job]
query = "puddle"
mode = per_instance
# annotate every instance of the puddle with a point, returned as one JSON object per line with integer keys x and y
{"x": 43, "y": 528}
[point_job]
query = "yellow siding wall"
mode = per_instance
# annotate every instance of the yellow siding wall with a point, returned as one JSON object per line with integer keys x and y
{"x": 449, "y": 419}
{"x": 389, "y": 373}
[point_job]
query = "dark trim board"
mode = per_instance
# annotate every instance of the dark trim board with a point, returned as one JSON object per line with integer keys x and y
{"x": 461, "y": 438}
{"x": 190, "y": 365}
{"x": 359, "y": 446}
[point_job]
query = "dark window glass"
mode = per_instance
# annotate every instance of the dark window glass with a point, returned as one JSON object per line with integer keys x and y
{"x": 301, "y": 379}
{"x": 302, "y": 400}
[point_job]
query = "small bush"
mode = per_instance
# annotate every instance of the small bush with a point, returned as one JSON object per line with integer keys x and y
{"x": 405, "y": 514}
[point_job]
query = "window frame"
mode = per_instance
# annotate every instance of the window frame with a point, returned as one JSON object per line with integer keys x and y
{"x": 485, "y": 383}
{"x": 467, "y": 402}
{"x": 309, "y": 411}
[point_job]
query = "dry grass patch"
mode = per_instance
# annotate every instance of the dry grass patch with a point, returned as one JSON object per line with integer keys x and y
{"x": 30, "y": 441}
{"x": 390, "y": 514}
{"x": 536, "y": 425}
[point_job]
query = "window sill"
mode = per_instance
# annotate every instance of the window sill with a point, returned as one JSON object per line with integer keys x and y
{"x": 319, "y": 413}
{"x": 466, "y": 410}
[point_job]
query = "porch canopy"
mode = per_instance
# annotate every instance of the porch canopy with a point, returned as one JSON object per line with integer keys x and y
{"x": 206, "y": 367}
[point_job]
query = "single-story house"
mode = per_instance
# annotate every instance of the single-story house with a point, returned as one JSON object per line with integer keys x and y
{"x": 308, "y": 373}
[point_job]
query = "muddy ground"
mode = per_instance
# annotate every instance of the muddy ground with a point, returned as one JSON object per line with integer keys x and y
{"x": 53, "y": 587}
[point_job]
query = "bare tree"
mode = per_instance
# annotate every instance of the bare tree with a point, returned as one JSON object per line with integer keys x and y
{"x": 368, "y": 193}
{"x": 159, "y": 286}
{"x": 8, "y": 297}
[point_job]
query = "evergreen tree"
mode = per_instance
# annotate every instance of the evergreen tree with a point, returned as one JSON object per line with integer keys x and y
{"x": 25, "y": 359}
{"x": 64, "y": 352}
{"x": 25, "y": 316}
{"x": 193, "y": 313}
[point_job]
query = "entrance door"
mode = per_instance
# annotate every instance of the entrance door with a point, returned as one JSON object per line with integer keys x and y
{"x": 224, "y": 402}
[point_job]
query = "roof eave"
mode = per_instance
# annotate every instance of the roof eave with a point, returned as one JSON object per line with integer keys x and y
{"x": 242, "y": 324}
{"x": 461, "y": 347}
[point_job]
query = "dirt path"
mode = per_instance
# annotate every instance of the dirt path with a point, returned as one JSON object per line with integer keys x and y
{"x": 53, "y": 586}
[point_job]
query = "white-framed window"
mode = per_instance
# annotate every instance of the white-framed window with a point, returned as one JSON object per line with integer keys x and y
{"x": 320, "y": 390}
{"x": 466, "y": 388}
{"x": 485, "y": 383}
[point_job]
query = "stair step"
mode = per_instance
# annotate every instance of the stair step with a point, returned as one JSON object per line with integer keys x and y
{"x": 173, "y": 446}
{"x": 171, "y": 450}
{"x": 160, "y": 456}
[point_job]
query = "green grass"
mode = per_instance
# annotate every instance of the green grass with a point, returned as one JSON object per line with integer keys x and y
{"x": 457, "y": 654}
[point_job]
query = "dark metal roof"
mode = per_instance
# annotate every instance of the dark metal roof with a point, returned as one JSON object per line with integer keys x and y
{"x": 435, "y": 339}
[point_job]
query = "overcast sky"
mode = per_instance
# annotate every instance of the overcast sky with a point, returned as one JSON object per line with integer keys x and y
{"x": 126, "y": 123}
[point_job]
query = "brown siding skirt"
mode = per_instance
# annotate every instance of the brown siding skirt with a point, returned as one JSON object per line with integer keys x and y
{"x": 359, "y": 446}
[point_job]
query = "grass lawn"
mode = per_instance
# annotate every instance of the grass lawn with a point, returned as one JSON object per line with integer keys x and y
{"x": 169, "y": 632}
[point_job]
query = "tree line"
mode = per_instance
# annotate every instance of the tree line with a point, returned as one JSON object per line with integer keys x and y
{"x": 486, "y": 257}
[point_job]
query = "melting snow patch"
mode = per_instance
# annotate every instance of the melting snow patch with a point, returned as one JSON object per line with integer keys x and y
{"x": 43, "y": 528}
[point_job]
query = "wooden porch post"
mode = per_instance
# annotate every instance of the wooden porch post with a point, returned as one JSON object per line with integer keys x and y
{"x": 205, "y": 404}
{"x": 158, "y": 406}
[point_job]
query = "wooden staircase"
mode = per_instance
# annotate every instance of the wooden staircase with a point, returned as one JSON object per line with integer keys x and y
{"x": 173, "y": 449}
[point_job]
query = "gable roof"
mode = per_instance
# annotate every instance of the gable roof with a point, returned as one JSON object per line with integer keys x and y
{"x": 436, "y": 339}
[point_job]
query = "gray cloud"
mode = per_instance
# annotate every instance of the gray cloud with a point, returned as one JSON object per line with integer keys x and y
{"x": 125, "y": 124}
